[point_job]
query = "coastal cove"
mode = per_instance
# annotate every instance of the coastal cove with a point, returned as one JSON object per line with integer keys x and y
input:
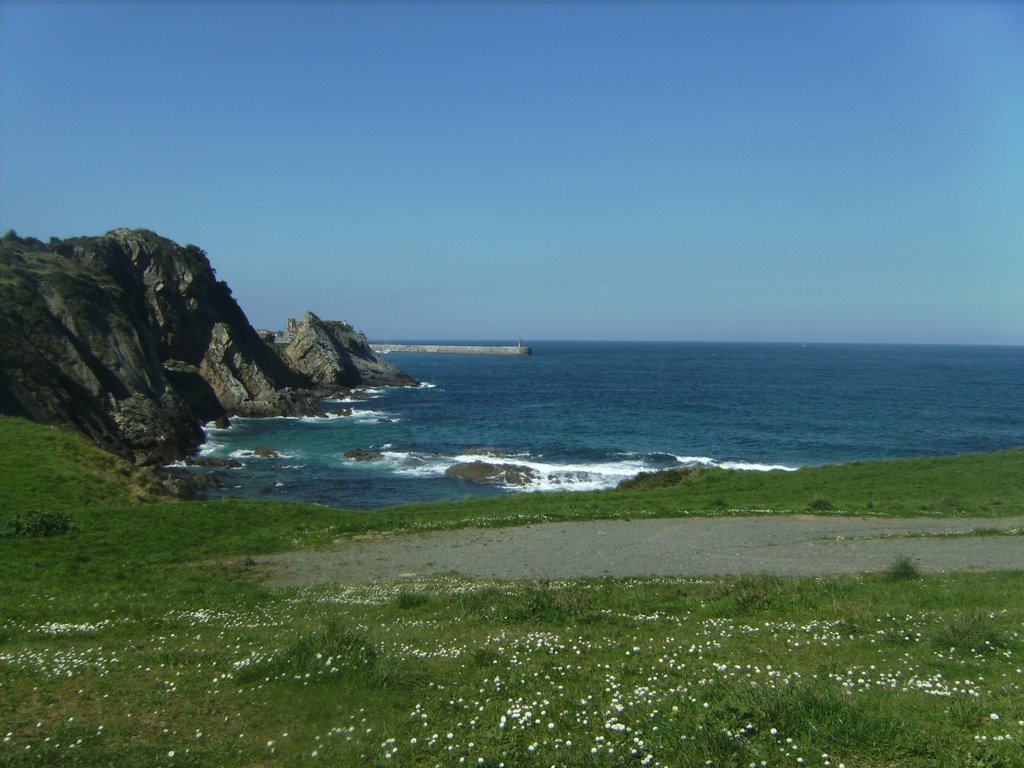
{"x": 511, "y": 385}
{"x": 586, "y": 415}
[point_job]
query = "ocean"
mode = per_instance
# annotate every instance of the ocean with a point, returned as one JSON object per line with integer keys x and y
{"x": 586, "y": 415}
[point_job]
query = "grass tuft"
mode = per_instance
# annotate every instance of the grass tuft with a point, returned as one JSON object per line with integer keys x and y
{"x": 329, "y": 649}
{"x": 813, "y": 707}
{"x": 903, "y": 569}
{"x": 972, "y": 630}
{"x": 485, "y": 656}
{"x": 409, "y": 598}
{"x": 541, "y": 602}
{"x": 749, "y": 593}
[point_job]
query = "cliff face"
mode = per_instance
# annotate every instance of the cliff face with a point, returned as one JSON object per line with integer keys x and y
{"x": 332, "y": 354}
{"x": 131, "y": 339}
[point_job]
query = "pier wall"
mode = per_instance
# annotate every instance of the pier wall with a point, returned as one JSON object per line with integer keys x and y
{"x": 452, "y": 349}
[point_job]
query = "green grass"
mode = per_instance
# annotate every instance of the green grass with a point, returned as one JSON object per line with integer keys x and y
{"x": 52, "y": 469}
{"x": 677, "y": 669}
{"x": 124, "y": 641}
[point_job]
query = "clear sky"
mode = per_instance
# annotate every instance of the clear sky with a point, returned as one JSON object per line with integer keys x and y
{"x": 476, "y": 170}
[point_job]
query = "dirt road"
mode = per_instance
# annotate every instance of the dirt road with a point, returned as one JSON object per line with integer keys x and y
{"x": 709, "y": 546}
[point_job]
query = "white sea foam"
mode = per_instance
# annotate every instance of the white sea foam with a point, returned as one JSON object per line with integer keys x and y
{"x": 580, "y": 476}
{"x": 369, "y": 415}
{"x": 248, "y": 453}
{"x": 753, "y": 467}
{"x": 358, "y": 414}
{"x": 367, "y": 393}
{"x": 405, "y": 462}
{"x": 358, "y": 395}
{"x": 547, "y": 476}
{"x": 748, "y": 466}
{"x": 694, "y": 461}
{"x": 320, "y": 419}
{"x": 554, "y": 476}
{"x": 416, "y": 464}
{"x": 210, "y": 446}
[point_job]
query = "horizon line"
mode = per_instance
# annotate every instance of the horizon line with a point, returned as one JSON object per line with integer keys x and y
{"x": 526, "y": 342}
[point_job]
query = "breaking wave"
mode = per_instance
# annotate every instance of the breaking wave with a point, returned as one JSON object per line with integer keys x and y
{"x": 747, "y": 466}
{"x": 539, "y": 474}
{"x": 252, "y": 453}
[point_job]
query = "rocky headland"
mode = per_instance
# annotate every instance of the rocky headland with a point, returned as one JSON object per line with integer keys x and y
{"x": 332, "y": 354}
{"x": 130, "y": 339}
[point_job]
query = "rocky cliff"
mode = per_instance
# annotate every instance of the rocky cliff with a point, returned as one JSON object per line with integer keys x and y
{"x": 132, "y": 340}
{"x": 332, "y": 354}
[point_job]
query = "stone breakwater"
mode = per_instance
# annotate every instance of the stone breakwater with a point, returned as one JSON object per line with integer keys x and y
{"x": 452, "y": 349}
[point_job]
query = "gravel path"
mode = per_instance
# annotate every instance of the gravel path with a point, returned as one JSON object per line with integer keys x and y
{"x": 707, "y": 546}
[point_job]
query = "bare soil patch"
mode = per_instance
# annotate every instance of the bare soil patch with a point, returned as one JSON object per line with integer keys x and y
{"x": 805, "y": 545}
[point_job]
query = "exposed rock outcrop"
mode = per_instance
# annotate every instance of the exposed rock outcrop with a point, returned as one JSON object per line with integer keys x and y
{"x": 492, "y": 474}
{"x": 361, "y": 454}
{"x": 332, "y": 354}
{"x": 130, "y": 339}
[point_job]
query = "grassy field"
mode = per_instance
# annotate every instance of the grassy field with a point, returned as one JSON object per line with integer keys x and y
{"x": 123, "y": 642}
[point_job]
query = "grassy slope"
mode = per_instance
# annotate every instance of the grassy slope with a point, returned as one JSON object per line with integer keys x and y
{"x": 117, "y": 648}
{"x": 50, "y": 468}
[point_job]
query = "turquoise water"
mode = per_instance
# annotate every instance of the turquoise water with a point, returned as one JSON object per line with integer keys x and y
{"x": 586, "y": 415}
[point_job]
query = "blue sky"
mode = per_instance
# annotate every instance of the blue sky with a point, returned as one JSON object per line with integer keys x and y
{"x": 649, "y": 171}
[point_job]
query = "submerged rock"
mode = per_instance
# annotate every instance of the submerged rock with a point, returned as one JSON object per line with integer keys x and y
{"x": 212, "y": 461}
{"x": 359, "y": 454}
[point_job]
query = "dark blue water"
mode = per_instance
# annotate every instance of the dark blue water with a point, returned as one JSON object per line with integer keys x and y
{"x": 586, "y": 415}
